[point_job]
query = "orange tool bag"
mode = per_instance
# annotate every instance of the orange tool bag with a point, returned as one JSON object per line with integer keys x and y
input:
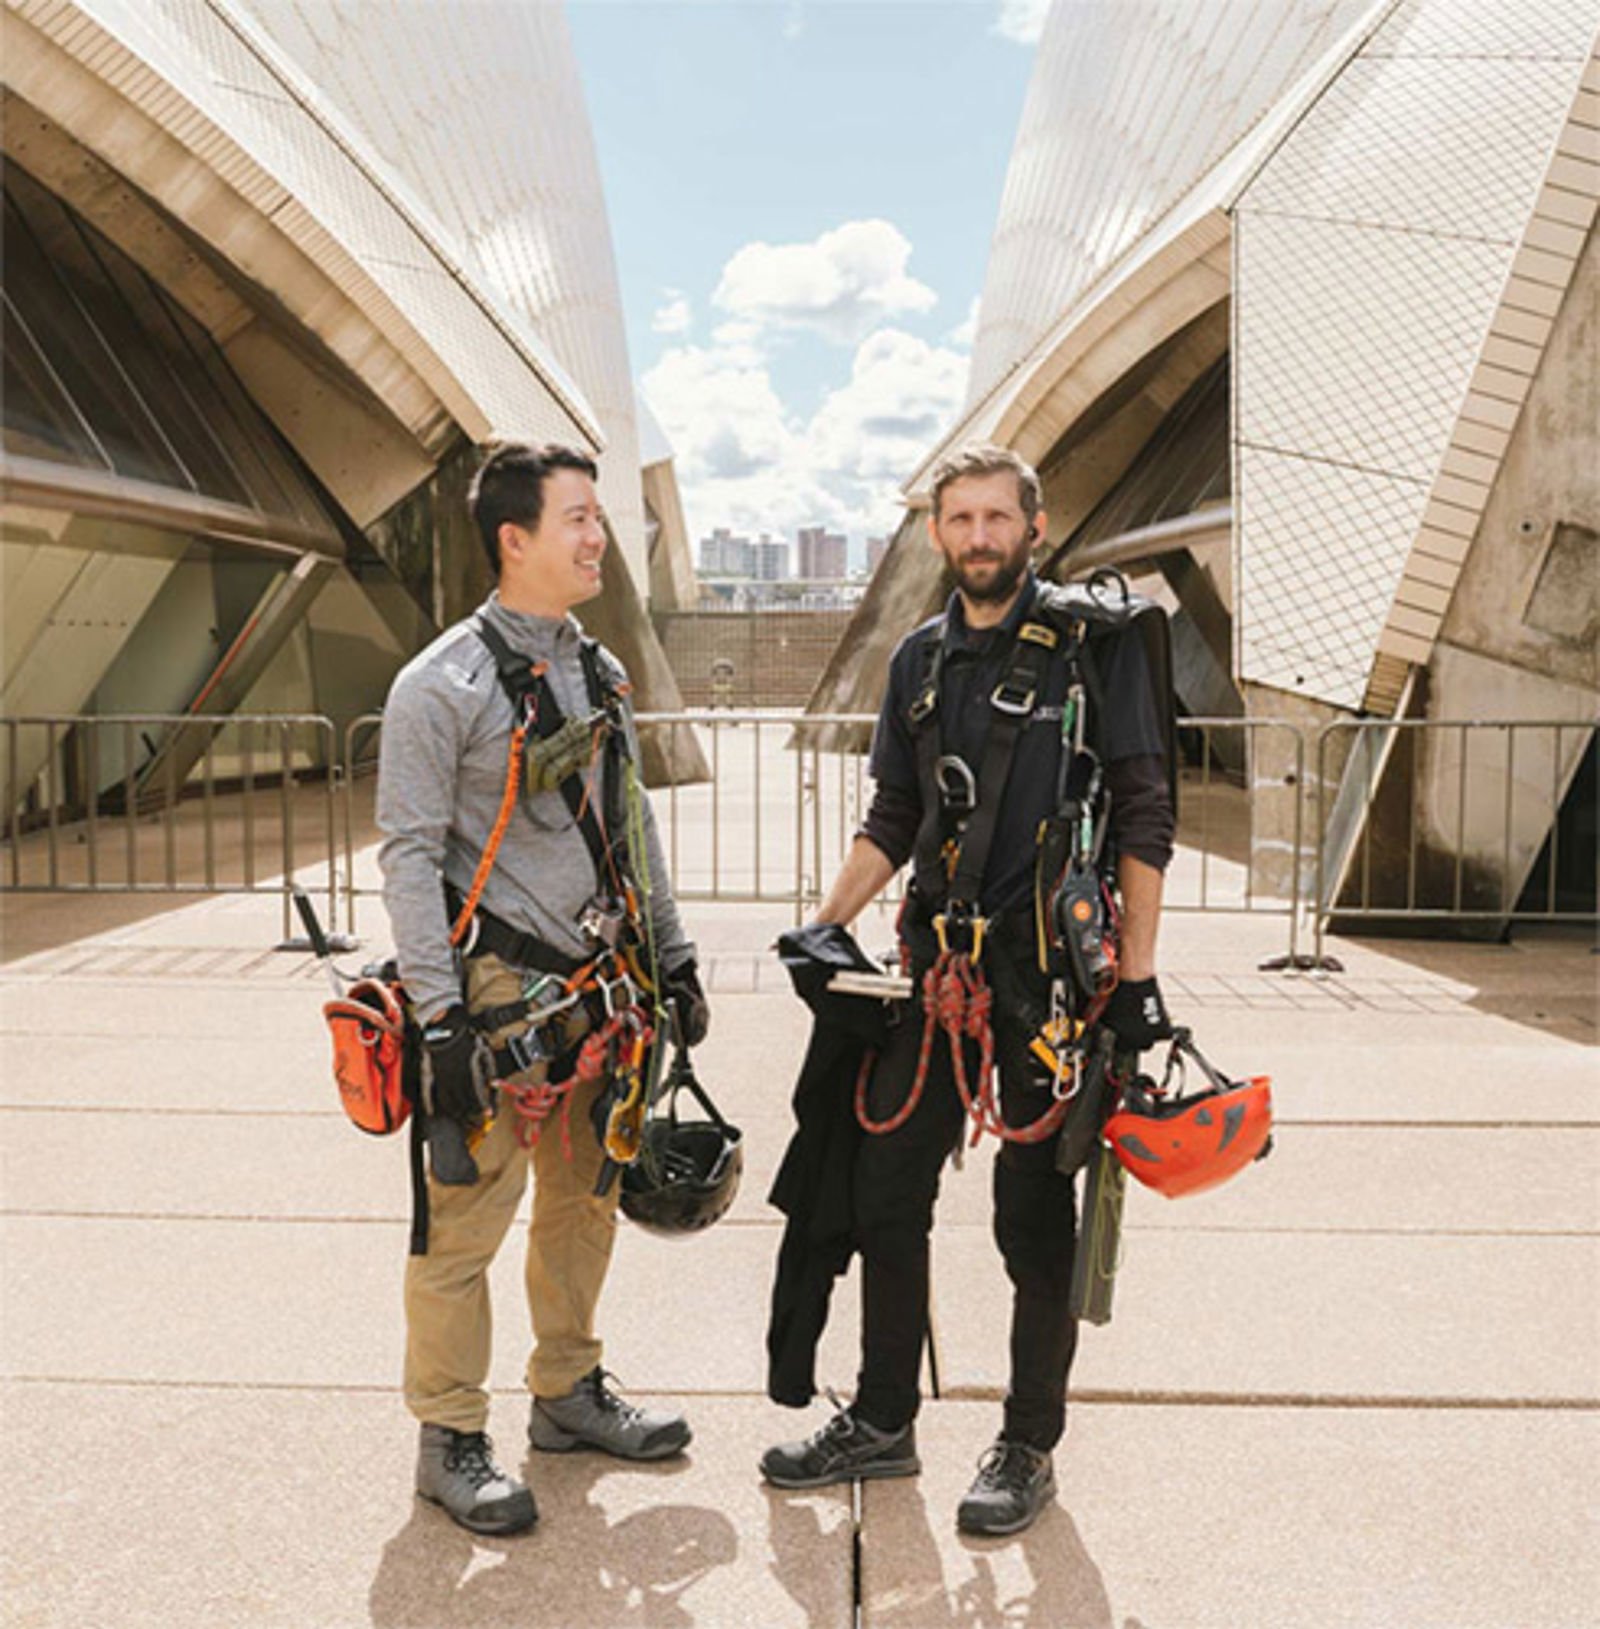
{"x": 368, "y": 1026}
{"x": 375, "y": 1057}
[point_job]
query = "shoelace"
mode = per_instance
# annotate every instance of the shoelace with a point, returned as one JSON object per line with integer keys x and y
{"x": 1007, "y": 1466}
{"x": 842, "y": 1425}
{"x": 607, "y": 1400}
{"x": 473, "y": 1456}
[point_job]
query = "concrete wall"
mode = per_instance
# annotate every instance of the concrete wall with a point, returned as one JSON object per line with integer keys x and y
{"x": 777, "y": 657}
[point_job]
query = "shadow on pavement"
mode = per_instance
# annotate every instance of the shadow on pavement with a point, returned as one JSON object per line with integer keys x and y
{"x": 904, "y": 1587}
{"x": 434, "y": 1575}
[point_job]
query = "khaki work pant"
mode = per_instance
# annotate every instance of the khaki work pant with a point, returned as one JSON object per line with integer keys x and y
{"x": 448, "y": 1322}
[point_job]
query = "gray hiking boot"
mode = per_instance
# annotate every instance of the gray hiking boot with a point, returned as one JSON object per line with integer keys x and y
{"x": 846, "y": 1449}
{"x": 456, "y": 1469}
{"x": 591, "y": 1415}
{"x": 1014, "y": 1483}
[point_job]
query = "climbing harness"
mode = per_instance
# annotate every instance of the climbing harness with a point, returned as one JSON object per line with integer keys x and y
{"x": 1076, "y": 926}
{"x": 617, "y": 987}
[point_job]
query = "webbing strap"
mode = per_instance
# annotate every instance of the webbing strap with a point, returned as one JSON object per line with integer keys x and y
{"x": 528, "y": 690}
{"x": 1012, "y": 706}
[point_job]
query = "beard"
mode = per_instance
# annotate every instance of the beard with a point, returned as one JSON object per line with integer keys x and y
{"x": 992, "y": 579}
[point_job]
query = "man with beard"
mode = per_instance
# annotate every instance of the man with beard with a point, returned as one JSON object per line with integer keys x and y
{"x": 949, "y": 683}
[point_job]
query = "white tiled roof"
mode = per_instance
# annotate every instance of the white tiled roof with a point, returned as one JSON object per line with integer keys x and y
{"x": 1130, "y": 105}
{"x": 202, "y": 71}
{"x": 478, "y": 110}
{"x": 1371, "y": 253}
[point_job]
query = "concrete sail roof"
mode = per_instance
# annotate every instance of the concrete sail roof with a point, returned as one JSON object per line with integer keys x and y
{"x": 1445, "y": 178}
{"x": 1169, "y": 257}
{"x": 479, "y": 109}
{"x": 1129, "y": 107}
{"x": 235, "y": 142}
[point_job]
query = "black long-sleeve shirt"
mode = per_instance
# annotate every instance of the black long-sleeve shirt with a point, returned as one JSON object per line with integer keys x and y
{"x": 1128, "y": 733}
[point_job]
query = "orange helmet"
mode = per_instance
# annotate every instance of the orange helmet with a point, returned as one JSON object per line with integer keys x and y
{"x": 1186, "y": 1144}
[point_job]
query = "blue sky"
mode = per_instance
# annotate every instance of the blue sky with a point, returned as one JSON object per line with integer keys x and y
{"x": 801, "y": 198}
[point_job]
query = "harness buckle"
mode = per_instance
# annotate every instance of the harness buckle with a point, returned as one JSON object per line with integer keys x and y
{"x": 527, "y": 1049}
{"x": 925, "y": 703}
{"x": 601, "y": 922}
{"x": 1012, "y": 698}
{"x": 958, "y": 786}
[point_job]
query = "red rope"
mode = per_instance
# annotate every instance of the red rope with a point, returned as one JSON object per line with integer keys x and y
{"x": 957, "y": 999}
{"x": 534, "y": 1103}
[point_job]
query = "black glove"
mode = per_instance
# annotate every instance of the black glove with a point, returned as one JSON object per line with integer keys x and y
{"x": 682, "y": 986}
{"x": 451, "y": 1093}
{"x": 1137, "y": 1015}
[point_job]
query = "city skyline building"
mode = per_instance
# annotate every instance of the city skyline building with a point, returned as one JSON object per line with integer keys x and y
{"x": 823, "y": 556}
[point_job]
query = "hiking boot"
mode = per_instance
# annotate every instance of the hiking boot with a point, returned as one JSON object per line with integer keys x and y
{"x": 1014, "y": 1483}
{"x": 846, "y": 1449}
{"x": 591, "y": 1415}
{"x": 456, "y": 1469}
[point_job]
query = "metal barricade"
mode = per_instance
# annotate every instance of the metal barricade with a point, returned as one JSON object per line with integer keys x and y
{"x": 1241, "y": 820}
{"x": 171, "y": 803}
{"x": 776, "y": 818}
{"x": 1443, "y": 820}
{"x": 164, "y": 803}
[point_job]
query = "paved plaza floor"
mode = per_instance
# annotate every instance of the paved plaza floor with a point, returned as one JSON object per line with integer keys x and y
{"x": 1356, "y": 1387}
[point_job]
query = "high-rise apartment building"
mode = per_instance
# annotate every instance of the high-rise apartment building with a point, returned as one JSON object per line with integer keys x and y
{"x": 823, "y": 554}
{"x": 724, "y": 554}
{"x": 771, "y": 563}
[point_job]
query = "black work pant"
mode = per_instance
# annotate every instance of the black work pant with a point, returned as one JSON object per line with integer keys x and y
{"x": 1035, "y": 1226}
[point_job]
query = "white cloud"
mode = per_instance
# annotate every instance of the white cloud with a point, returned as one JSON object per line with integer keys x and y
{"x": 842, "y": 285}
{"x": 902, "y": 393}
{"x": 675, "y": 316}
{"x": 1021, "y": 21}
{"x": 744, "y": 463}
{"x": 967, "y": 331}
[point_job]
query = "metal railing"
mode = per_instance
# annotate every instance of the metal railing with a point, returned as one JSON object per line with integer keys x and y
{"x": 168, "y": 803}
{"x": 788, "y": 791}
{"x": 163, "y": 803}
{"x": 1455, "y": 853}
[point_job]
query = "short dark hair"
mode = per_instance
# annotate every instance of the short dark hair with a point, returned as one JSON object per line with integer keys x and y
{"x": 983, "y": 459}
{"x": 509, "y": 485}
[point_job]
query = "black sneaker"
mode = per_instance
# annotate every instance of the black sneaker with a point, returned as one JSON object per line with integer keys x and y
{"x": 456, "y": 1469}
{"x": 1014, "y": 1483}
{"x": 846, "y": 1449}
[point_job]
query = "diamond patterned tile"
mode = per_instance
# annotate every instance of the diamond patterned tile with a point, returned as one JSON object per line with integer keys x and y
{"x": 1322, "y": 547}
{"x": 1505, "y": 28}
{"x": 1356, "y": 344}
{"x": 1456, "y": 147}
{"x": 1128, "y": 107}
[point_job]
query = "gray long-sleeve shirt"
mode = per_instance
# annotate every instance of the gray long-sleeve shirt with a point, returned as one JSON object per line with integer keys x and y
{"x": 441, "y": 776}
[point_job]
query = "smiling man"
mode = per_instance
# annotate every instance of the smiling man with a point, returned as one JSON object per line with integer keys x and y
{"x": 1013, "y": 660}
{"x": 496, "y": 893}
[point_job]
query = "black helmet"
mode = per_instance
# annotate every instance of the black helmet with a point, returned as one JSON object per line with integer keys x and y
{"x": 687, "y": 1171}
